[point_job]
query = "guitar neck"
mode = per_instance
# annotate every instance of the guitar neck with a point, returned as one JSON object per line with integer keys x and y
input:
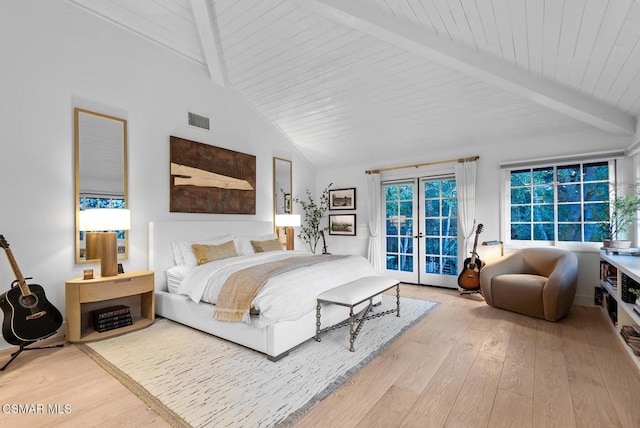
{"x": 475, "y": 247}
{"x": 24, "y": 288}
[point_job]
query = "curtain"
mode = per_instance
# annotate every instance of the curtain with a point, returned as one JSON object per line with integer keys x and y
{"x": 373, "y": 190}
{"x": 466, "y": 186}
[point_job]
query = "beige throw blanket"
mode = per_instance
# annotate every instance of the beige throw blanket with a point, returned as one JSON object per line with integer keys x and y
{"x": 238, "y": 291}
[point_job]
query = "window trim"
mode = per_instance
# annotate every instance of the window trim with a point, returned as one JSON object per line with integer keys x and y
{"x": 615, "y": 176}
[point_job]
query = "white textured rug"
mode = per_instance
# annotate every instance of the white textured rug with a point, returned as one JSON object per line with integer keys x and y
{"x": 193, "y": 378}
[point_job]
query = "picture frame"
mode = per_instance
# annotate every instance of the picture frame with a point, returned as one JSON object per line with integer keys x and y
{"x": 342, "y": 224}
{"x": 342, "y": 199}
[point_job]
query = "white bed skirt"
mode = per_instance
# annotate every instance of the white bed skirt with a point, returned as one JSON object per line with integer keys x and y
{"x": 274, "y": 340}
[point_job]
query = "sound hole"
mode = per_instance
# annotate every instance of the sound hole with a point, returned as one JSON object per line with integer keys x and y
{"x": 30, "y": 301}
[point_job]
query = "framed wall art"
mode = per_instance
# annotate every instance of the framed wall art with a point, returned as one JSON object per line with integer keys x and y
{"x": 342, "y": 199}
{"x": 209, "y": 179}
{"x": 342, "y": 224}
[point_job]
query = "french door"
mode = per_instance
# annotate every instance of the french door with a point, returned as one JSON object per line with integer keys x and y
{"x": 421, "y": 231}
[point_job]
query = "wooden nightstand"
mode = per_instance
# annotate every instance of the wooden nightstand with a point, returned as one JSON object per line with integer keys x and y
{"x": 133, "y": 289}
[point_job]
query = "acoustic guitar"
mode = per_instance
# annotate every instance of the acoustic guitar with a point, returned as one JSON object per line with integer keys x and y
{"x": 28, "y": 315}
{"x": 469, "y": 278}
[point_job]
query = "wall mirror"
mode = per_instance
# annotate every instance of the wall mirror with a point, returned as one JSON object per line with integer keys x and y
{"x": 281, "y": 186}
{"x": 100, "y": 157}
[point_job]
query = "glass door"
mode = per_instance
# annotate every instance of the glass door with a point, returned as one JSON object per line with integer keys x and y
{"x": 439, "y": 221}
{"x": 421, "y": 231}
{"x": 400, "y": 202}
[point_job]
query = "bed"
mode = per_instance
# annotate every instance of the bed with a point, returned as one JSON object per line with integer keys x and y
{"x": 265, "y": 331}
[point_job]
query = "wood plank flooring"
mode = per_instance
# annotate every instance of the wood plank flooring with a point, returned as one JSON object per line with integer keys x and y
{"x": 471, "y": 365}
{"x": 465, "y": 365}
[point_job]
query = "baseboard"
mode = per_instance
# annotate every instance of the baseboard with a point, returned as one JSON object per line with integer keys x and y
{"x": 583, "y": 300}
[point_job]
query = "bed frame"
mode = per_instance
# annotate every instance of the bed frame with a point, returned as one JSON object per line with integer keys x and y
{"x": 274, "y": 340}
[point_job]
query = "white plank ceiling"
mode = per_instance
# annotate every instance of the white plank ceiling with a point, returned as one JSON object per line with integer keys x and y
{"x": 372, "y": 81}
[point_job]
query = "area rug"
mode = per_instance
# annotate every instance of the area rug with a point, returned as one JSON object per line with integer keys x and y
{"x": 192, "y": 378}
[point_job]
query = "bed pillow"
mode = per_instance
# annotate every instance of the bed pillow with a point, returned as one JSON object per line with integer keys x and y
{"x": 243, "y": 243}
{"x": 268, "y": 245}
{"x": 183, "y": 253}
{"x": 175, "y": 275}
{"x": 210, "y": 253}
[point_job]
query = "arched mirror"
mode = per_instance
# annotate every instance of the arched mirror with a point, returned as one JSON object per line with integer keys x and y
{"x": 281, "y": 186}
{"x": 100, "y": 156}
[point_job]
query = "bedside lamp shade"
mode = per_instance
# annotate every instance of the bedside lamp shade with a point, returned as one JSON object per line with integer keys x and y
{"x": 106, "y": 221}
{"x": 285, "y": 223}
{"x": 288, "y": 220}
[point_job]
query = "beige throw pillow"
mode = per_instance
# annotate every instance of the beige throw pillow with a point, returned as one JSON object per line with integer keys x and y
{"x": 209, "y": 253}
{"x": 264, "y": 246}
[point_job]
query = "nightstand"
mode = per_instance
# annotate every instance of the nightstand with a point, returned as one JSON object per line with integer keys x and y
{"x": 82, "y": 296}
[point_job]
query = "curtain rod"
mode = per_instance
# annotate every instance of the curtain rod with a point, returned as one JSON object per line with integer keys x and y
{"x": 417, "y": 165}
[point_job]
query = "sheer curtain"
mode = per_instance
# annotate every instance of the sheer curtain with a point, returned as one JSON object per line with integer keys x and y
{"x": 373, "y": 190}
{"x": 466, "y": 187}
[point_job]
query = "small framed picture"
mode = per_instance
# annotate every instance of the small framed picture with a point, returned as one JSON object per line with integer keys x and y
{"x": 342, "y": 199}
{"x": 342, "y": 224}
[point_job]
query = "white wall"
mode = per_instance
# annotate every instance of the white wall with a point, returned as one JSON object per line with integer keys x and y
{"x": 488, "y": 190}
{"x": 56, "y": 56}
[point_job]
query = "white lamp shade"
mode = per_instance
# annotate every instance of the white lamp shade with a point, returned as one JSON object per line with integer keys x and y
{"x": 103, "y": 219}
{"x": 287, "y": 220}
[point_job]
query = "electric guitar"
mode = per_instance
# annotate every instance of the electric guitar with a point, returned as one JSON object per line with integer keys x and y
{"x": 28, "y": 315}
{"x": 469, "y": 278}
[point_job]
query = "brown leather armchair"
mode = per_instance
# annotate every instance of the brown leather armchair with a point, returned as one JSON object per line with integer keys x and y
{"x": 540, "y": 282}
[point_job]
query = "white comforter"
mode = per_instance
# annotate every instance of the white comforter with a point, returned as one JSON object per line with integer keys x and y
{"x": 285, "y": 297}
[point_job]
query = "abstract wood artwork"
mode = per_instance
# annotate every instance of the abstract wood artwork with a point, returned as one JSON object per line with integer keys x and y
{"x": 208, "y": 179}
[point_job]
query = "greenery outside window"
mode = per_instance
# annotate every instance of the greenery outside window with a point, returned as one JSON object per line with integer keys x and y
{"x": 560, "y": 203}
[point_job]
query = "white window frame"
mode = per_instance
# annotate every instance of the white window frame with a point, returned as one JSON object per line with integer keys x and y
{"x": 616, "y": 173}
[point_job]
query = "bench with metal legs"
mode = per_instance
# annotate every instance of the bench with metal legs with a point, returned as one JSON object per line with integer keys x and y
{"x": 351, "y": 295}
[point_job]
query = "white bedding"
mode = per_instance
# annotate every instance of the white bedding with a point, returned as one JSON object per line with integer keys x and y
{"x": 285, "y": 297}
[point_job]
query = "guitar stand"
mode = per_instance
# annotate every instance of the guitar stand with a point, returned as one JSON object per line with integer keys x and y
{"x": 23, "y": 347}
{"x": 479, "y": 291}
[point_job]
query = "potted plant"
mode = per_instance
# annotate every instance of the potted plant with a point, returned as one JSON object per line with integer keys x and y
{"x": 312, "y": 229}
{"x": 624, "y": 210}
{"x": 636, "y": 292}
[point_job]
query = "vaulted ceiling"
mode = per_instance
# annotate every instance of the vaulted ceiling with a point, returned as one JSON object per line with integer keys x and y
{"x": 371, "y": 80}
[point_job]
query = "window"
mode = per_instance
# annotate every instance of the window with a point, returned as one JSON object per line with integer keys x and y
{"x": 565, "y": 203}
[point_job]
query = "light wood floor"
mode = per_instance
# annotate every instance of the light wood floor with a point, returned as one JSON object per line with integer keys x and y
{"x": 466, "y": 364}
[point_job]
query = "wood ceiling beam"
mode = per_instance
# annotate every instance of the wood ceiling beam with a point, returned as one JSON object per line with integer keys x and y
{"x": 205, "y": 25}
{"x": 459, "y": 57}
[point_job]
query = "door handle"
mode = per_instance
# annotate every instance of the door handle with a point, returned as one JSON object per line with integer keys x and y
{"x": 419, "y": 235}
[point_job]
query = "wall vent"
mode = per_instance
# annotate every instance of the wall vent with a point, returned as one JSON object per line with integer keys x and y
{"x": 199, "y": 121}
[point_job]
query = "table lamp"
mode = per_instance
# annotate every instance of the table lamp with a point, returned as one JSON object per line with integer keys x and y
{"x": 286, "y": 223}
{"x": 105, "y": 221}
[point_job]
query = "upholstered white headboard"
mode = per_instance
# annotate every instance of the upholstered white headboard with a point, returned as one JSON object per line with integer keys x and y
{"x": 161, "y": 233}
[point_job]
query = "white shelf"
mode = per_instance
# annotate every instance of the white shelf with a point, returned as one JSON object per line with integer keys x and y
{"x": 630, "y": 266}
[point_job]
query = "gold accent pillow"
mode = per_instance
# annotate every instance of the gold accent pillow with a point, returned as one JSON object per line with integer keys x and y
{"x": 209, "y": 253}
{"x": 264, "y": 246}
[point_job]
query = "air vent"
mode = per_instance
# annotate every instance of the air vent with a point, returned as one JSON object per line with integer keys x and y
{"x": 198, "y": 121}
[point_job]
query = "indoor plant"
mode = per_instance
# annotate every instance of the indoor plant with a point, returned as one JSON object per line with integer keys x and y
{"x": 623, "y": 212}
{"x": 311, "y": 230}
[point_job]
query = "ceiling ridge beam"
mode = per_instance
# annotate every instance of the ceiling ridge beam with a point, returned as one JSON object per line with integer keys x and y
{"x": 208, "y": 40}
{"x": 463, "y": 59}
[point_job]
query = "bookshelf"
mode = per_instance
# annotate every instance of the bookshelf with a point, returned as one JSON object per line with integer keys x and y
{"x": 623, "y": 266}
{"x": 83, "y": 296}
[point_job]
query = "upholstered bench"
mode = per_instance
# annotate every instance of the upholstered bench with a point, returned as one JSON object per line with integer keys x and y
{"x": 351, "y": 295}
